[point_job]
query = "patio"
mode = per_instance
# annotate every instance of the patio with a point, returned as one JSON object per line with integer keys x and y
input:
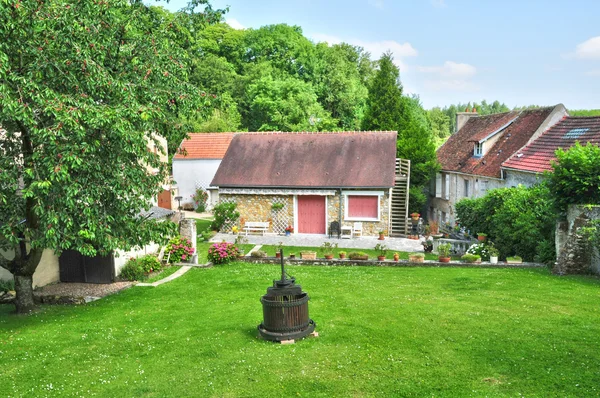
{"x": 312, "y": 240}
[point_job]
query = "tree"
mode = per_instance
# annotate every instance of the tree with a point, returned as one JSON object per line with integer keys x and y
{"x": 83, "y": 88}
{"x": 440, "y": 125}
{"x": 388, "y": 109}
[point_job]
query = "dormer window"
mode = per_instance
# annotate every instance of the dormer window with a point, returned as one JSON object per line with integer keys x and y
{"x": 478, "y": 151}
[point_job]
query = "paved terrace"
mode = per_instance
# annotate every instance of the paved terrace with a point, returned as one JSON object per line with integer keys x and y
{"x": 311, "y": 240}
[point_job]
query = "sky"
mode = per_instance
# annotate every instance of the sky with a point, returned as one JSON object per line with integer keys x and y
{"x": 525, "y": 52}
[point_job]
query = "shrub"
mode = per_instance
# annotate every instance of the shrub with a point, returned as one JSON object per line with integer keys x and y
{"x": 149, "y": 263}
{"x": 180, "y": 249}
{"x": 574, "y": 179}
{"x": 481, "y": 249}
{"x": 358, "y": 256}
{"x": 132, "y": 271}
{"x": 221, "y": 253}
{"x": 470, "y": 258}
{"x": 200, "y": 197}
{"x": 7, "y": 285}
{"x": 258, "y": 254}
{"x": 518, "y": 220}
{"x": 224, "y": 213}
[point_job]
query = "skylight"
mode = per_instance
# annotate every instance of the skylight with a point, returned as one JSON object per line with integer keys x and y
{"x": 574, "y": 134}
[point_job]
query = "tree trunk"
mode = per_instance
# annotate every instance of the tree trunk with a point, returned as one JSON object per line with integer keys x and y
{"x": 24, "y": 288}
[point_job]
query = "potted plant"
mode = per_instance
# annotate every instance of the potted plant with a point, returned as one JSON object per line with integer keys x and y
{"x": 416, "y": 257}
{"x": 427, "y": 245}
{"x": 415, "y": 217}
{"x": 358, "y": 256}
{"x": 471, "y": 258}
{"x": 493, "y": 254}
{"x": 382, "y": 251}
{"x": 289, "y": 229}
{"x": 278, "y": 252}
{"x": 514, "y": 260}
{"x": 444, "y": 252}
{"x": 342, "y": 255}
{"x": 292, "y": 255}
{"x": 481, "y": 236}
{"x": 308, "y": 255}
{"x": 381, "y": 235}
{"x": 396, "y": 256}
{"x": 327, "y": 249}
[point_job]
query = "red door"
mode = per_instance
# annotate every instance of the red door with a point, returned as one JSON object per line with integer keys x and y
{"x": 164, "y": 199}
{"x": 311, "y": 214}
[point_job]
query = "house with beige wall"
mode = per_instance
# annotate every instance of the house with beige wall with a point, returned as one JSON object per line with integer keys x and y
{"x": 308, "y": 180}
{"x": 472, "y": 158}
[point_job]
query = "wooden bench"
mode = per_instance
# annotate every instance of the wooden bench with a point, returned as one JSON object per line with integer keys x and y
{"x": 257, "y": 226}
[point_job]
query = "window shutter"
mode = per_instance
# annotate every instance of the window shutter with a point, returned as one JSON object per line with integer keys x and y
{"x": 438, "y": 185}
{"x": 447, "y": 187}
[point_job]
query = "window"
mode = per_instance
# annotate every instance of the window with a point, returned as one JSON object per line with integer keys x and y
{"x": 362, "y": 205}
{"x": 438, "y": 185}
{"x": 478, "y": 149}
{"x": 466, "y": 195}
{"x": 447, "y": 187}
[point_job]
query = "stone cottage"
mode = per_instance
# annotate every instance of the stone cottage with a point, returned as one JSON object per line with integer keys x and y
{"x": 308, "y": 180}
{"x": 472, "y": 158}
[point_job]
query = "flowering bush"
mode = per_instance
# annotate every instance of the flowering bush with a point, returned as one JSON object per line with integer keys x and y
{"x": 180, "y": 249}
{"x": 138, "y": 268}
{"x": 289, "y": 229}
{"x": 200, "y": 198}
{"x": 221, "y": 253}
{"x": 480, "y": 249}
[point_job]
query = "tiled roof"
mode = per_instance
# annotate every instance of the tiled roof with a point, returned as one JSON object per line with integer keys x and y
{"x": 309, "y": 160}
{"x": 537, "y": 156}
{"x": 204, "y": 146}
{"x": 457, "y": 153}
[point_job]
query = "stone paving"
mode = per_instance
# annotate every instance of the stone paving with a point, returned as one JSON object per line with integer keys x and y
{"x": 311, "y": 240}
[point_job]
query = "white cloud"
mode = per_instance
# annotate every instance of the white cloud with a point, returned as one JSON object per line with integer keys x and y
{"x": 589, "y": 48}
{"x": 439, "y": 3}
{"x": 375, "y": 48}
{"x": 450, "y": 69}
{"x": 376, "y": 3}
{"x": 234, "y": 23}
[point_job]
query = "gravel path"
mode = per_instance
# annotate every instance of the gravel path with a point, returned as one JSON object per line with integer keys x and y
{"x": 81, "y": 289}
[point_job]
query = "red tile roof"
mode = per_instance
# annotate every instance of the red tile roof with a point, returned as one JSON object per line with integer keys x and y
{"x": 457, "y": 153}
{"x": 309, "y": 160}
{"x": 537, "y": 156}
{"x": 204, "y": 146}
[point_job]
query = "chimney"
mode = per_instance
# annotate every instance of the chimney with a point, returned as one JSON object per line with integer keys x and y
{"x": 462, "y": 117}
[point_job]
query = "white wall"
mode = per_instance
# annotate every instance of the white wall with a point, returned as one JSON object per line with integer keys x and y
{"x": 123, "y": 256}
{"x": 45, "y": 273}
{"x": 189, "y": 173}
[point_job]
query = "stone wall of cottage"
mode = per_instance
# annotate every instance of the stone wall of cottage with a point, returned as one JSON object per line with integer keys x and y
{"x": 259, "y": 208}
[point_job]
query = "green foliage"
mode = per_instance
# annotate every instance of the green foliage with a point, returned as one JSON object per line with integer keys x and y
{"x": 480, "y": 249}
{"x": 584, "y": 112}
{"x": 518, "y": 220}
{"x": 358, "y": 256}
{"x": 200, "y": 198}
{"x": 483, "y": 108}
{"x": 440, "y": 125}
{"x": 574, "y": 178}
{"x": 381, "y": 249}
{"x": 137, "y": 269}
{"x": 444, "y": 249}
{"x": 258, "y": 254}
{"x": 470, "y": 258}
{"x": 7, "y": 285}
{"x": 277, "y": 206}
{"x": 222, "y": 253}
{"x": 327, "y": 248}
{"x": 224, "y": 213}
{"x": 179, "y": 249}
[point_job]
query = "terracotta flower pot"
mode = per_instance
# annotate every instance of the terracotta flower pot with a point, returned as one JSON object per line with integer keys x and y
{"x": 481, "y": 238}
{"x": 444, "y": 259}
{"x": 381, "y": 237}
{"x": 328, "y": 256}
{"x": 381, "y": 258}
{"x": 277, "y": 255}
{"x": 342, "y": 256}
{"x": 396, "y": 257}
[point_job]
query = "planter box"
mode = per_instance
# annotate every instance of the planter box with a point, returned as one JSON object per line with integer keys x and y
{"x": 359, "y": 257}
{"x": 514, "y": 261}
{"x": 416, "y": 259}
{"x": 308, "y": 255}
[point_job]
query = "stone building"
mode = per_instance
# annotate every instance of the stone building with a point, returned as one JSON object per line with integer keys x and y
{"x": 308, "y": 180}
{"x": 472, "y": 158}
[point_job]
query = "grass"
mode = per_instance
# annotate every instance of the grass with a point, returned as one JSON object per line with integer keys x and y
{"x": 271, "y": 249}
{"x": 156, "y": 276}
{"x": 383, "y": 332}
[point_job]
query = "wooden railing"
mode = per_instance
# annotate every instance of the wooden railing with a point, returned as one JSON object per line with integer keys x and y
{"x": 402, "y": 167}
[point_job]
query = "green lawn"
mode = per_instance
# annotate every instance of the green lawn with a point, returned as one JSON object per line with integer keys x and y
{"x": 270, "y": 250}
{"x": 418, "y": 332}
{"x": 156, "y": 276}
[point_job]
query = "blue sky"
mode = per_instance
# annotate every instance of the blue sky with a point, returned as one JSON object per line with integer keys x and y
{"x": 518, "y": 52}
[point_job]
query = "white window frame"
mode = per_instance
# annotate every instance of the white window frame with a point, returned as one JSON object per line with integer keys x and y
{"x": 478, "y": 150}
{"x": 447, "y": 187}
{"x": 379, "y": 194}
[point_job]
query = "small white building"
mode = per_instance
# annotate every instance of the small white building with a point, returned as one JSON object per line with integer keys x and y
{"x": 197, "y": 161}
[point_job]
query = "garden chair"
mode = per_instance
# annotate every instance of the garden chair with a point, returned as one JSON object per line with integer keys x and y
{"x": 334, "y": 228}
{"x": 357, "y": 229}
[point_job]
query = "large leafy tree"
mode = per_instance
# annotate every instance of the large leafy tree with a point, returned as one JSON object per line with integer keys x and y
{"x": 388, "y": 109}
{"x": 84, "y": 86}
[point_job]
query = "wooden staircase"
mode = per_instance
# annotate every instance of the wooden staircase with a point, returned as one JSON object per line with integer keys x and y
{"x": 399, "y": 224}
